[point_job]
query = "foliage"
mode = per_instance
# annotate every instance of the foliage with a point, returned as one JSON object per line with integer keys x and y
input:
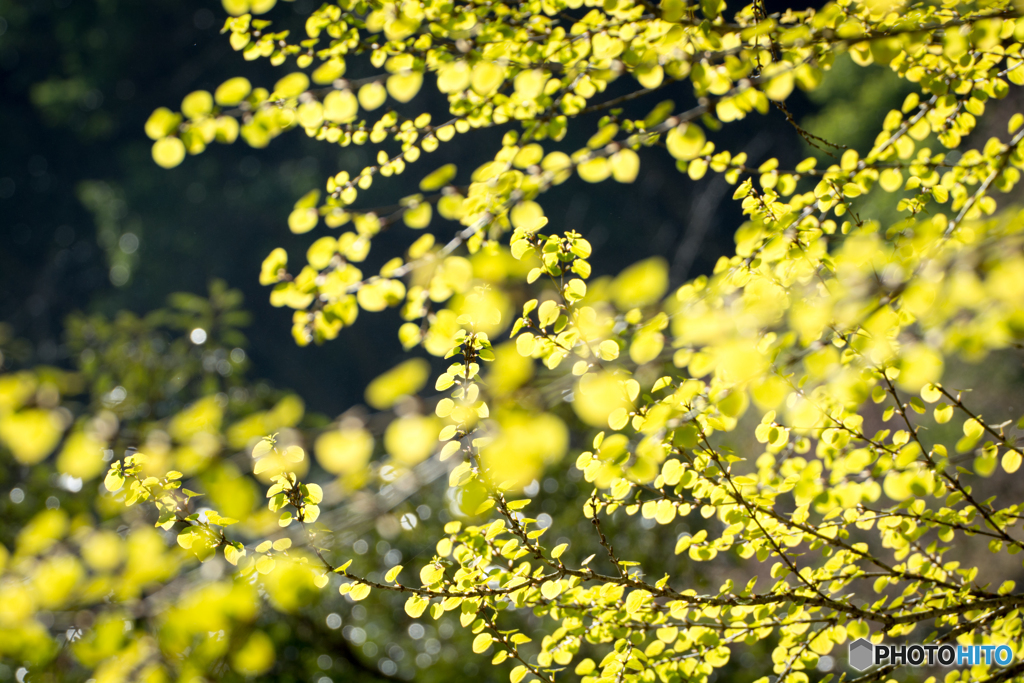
{"x": 823, "y": 326}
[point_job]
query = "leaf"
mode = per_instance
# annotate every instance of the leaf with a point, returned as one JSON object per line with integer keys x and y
{"x": 186, "y": 538}
{"x": 635, "y": 600}
{"x": 575, "y": 290}
{"x": 291, "y": 85}
{"x": 233, "y": 554}
{"x": 431, "y": 574}
{"x": 168, "y": 152}
{"x": 973, "y": 429}
{"x": 460, "y": 474}
{"x": 449, "y": 450}
{"x": 161, "y": 123}
{"x": 551, "y": 589}
{"x": 641, "y": 284}
{"x": 452, "y": 77}
{"x": 547, "y": 313}
{"x": 359, "y": 592}
{"x": 529, "y": 83}
{"x": 438, "y": 178}
{"x": 402, "y": 380}
{"x": 625, "y": 165}
{"x": 608, "y": 350}
{"x": 344, "y": 451}
{"x": 372, "y": 96}
{"x": 585, "y": 667}
{"x": 1011, "y": 461}
{"x": 931, "y": 393}
{"x": 685, "y": 141}
{"x": 486, "y": 78}
{"x": 528, "y": 216}
{"x": 594, "y": 170}
{"x": 232, "y": 91}
{"x": 393, "y": 573}
{"x": 415, "y": 606}
{"x": 113, "y": 481}
{"x": 303, "y": 220}
{"x": 340, "y": 106}
{"x": 482, "y": 643}
{"x": 518, "y": 674}
{"x": 403, "y": 87}
{"x": 197, "y": 104}
{"x": 314, "y": 494}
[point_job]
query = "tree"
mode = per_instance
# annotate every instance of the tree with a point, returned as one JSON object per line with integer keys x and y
{"x": 791, "y": 414}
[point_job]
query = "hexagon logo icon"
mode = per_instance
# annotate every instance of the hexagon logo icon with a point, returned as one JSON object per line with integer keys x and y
{"x": 862, "y": 654}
